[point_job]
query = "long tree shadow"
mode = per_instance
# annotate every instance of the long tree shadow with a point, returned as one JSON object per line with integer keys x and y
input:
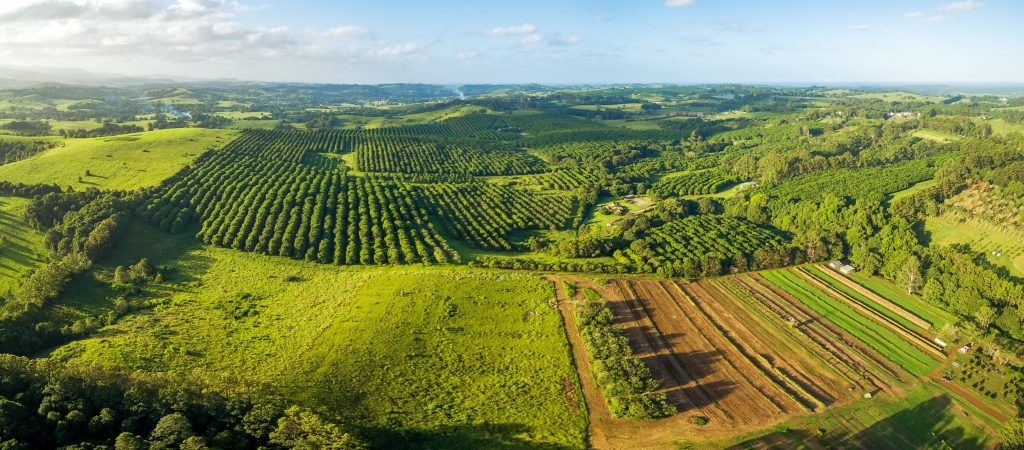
{"x": 500, "y": 436}
{"x": 926, "y": 425}
{"x": 684, "y": 398}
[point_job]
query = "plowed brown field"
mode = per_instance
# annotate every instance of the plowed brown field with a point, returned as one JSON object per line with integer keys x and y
{"x": 714, "y": 357}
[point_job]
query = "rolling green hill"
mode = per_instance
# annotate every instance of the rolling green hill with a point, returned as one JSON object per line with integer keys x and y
{"x": 124, "y": 162}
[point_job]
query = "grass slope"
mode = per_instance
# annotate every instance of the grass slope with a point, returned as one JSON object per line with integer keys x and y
{"x": 415, "y": 357}
{"x": 21, "y": 246}
{"x": 999, "y": 246}
{"x": 123, "y": 162}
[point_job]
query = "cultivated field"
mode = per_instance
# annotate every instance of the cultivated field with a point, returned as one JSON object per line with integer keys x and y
{"x": 716, "y": 359}
{"x": 744, "y": 352}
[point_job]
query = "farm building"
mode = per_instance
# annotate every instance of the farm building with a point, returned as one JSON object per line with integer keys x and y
{"x": 847, "y": 269}
{"x": 614, "y": 208}
{"x": 836, "y": 264}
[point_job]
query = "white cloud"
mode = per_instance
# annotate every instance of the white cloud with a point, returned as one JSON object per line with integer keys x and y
{"x": 859, "y": 27}
{"x": 678, "y": 3}
{"x": 946, "y": 11}
{"x": 962, "y": 6}
{"x": 515, "y": 30}
{"x": 566, "y": 41}
{"x": 532, "y": 39}
{"x": 397, "y": 50}
{"x": 346, "y": 31}
{"x": 171, "y": 36}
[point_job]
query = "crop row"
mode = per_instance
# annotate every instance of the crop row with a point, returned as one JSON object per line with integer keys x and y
{"x": 877, "y": 337}
{"x": 420, "y": 155}
{"x": 484, "y": 213}
{"x": 249, "y": 200}
{"x": 694, "y": 183}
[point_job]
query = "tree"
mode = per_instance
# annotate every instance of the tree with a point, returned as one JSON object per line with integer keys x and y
{"x": 912, "y": 274}
{"x": 866, "y": 259}
{"x": 128, "y": 441}
{"x": 1012, "y": 435}
{"x": 121, "y": 276}
{"x": 984, "y": 317}
{"x": 143, "y": 270}
{"x": 949, "y": 333}
{"x": 306, "y": 430}
{"x": 171, "y": 430}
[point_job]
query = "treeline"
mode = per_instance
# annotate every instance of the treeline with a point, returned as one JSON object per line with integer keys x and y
{"x": 625, "y": 381}
{"x": 83, "y": 226}
{"x": 27, "y": 127}
{"x": 11, "y": 151}
{"x": 882, "y": 238}
{"x": 788, "y": 149}
{"x": 108, "y": 129}
{"x": 46, "y": 403}
{"x": 27, "y": 190}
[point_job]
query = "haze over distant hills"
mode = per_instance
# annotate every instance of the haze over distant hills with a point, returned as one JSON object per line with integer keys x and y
{"x": 18, "y": 77}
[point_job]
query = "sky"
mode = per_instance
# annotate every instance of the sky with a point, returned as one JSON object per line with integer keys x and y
{"x": 524, "y": 41}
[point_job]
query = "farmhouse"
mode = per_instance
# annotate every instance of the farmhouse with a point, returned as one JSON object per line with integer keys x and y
{"x": 614, "y": 208}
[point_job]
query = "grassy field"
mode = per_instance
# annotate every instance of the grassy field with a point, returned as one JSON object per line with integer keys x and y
{"x": 918, "y": 187}
{"x": 260, "y": 124}
{"x": 937, "y": 136}
{"x": 239, "y": 115}
{"x": 899, "y": 96}
{"x": 126, "y": 162}
{"x": 1002, "y": 127}
{"x": 1000, "y": 247}
{"x": 414, "y": 357}
{"x": 21, "y": 246}
{"x": 879, "y": 338}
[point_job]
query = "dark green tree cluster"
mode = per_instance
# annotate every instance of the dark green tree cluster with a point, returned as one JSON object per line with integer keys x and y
{"x": 50, "y": 404}
{"x": 11, "y": 150}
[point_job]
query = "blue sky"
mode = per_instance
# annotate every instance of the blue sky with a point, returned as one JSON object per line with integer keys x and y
{"x": 523, "y": 41}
